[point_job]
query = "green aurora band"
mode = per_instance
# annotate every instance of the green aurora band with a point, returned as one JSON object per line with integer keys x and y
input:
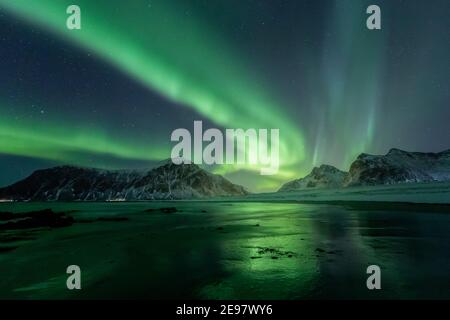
{"x": 182, "y": 60}
{"x": 352, "y": 69}
{"x": 53, "y": 143}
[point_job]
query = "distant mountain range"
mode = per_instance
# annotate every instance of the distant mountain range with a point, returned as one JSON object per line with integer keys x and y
{"x": 188, "y": 181}
{"x": 397, "y": 166}
{"x": 169, "y": 181}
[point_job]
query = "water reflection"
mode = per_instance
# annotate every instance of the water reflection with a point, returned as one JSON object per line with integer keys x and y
{"x": 236, "y": 250}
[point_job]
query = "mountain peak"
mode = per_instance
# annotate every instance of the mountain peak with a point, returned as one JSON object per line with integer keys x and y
{"x": 396, "y": 151}
{"x": 325, "y": 176}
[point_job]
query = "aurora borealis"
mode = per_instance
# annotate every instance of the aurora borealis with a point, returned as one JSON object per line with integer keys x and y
{"x": 110, "y": 94}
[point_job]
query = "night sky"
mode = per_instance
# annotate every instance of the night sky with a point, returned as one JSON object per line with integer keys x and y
{"x": 109, "y": 95}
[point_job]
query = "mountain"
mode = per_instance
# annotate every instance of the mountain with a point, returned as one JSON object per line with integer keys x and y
{"x": 325, "y": 176}
{"x": 169, "y": 181}
{"x": 397, "y": 166}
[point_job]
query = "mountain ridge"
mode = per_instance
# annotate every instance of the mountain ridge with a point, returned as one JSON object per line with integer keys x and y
{"x": 166, "y": 182}
{"x": 396, "y": 166}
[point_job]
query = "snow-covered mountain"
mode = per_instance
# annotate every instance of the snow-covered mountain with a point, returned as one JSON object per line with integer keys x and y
{"x": 169, "y": 181}
{"x": 397, "y": 166}
{"x": 325, "y": 176}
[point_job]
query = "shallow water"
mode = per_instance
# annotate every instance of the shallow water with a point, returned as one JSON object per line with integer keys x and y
{"x": 223, "y": 250}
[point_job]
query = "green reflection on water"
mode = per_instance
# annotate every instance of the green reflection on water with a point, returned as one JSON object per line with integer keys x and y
{"x": 224, "y": 250}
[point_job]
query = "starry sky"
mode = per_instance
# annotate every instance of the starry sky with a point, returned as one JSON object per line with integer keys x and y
{"x": 109, "y": 95}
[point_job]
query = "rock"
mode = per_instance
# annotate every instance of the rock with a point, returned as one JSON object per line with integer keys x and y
{"x": 164, "y": 210}
{"x": 275, "y": 253}
{"x": 35, "y": 219}
{"x": 7, "y": 249}
{"x": 113, "y": 219}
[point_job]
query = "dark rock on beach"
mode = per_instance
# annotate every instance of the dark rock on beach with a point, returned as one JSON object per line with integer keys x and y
{"x": 34, "y": 219}
{"x": 164, "y": 210}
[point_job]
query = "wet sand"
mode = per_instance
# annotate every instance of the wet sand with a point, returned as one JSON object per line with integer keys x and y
{"x": 229, "y": 250}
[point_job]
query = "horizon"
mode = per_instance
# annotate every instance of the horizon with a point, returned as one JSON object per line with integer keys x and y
{"x": 205, "y": 167}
